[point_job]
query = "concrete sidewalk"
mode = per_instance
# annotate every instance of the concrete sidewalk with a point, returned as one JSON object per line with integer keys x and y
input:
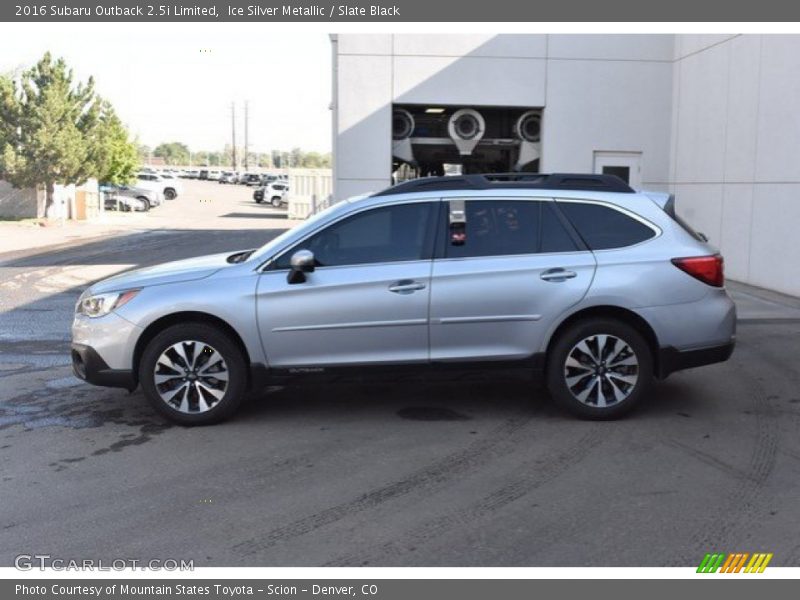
{"x": 757, "y": 304}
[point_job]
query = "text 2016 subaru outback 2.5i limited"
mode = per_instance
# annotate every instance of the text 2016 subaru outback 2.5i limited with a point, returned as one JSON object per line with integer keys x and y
{"x": 577, "y": 278}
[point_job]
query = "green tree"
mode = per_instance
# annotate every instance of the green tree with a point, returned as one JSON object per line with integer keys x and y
{"x": 47, "y": 140}
{"x": 173, "y": 153}
{"x": 115, "y": 156}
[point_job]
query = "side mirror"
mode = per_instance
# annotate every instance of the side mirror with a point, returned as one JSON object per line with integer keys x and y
{"x": 302, "y": 262}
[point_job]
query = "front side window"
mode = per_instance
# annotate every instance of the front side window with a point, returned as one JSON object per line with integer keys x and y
{"x": 386, "y": 234}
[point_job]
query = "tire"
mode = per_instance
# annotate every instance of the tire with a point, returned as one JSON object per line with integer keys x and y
{"x": 276, "y": 201}
{"x": 258, "y": 200}
{"x": 199, "y": 396}
{"x": 624, "y": 371}
{"x": 170, "y": 194}
{"x": 146, "y": 202}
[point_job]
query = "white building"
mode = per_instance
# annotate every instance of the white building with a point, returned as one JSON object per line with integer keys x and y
{"x": 714, "y": 119}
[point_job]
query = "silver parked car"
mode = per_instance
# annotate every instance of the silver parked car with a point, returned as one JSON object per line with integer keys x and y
{"x": 576, "y": 278}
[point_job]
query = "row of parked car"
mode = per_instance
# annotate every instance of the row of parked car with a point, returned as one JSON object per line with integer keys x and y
{"x": 237, "y": 177}
{"x": 148, "y": 191}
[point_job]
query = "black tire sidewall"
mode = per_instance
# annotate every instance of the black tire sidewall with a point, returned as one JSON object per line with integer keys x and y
{"x": 581, "y": 330}
{"x": 276, "y": 204}
{"x": 222, "y": 343}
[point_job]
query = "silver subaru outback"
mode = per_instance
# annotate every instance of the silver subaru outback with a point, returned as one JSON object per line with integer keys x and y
{"x": 577, "y": 279}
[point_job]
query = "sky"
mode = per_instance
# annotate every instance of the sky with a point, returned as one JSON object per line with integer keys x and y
{"x": 176, "y": 81}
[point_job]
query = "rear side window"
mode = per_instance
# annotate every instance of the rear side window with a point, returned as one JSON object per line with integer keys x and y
{"x": 509, "y": 227}
{"x": 602, "y": 227}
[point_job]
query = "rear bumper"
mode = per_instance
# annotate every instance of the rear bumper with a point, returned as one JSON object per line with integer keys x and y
{"x": 672, "y": 359}
{"x": 89, "y": 366}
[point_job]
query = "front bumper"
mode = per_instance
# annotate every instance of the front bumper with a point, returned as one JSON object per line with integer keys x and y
{"x": 672, "y": 359}
{"x": 88, "y": 365}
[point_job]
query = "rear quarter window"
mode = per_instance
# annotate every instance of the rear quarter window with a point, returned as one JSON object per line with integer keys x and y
{"x": 603, "y": 228}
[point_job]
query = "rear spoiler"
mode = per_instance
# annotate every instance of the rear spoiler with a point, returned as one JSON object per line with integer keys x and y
{"x": 667, "y": 203}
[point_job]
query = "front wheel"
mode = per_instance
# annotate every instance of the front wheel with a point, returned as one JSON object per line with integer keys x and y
{"x": 145, "y": 202}
{"x": 276, "y": 201}
{"x": 599, "y": 369}
{"x": 170, "y": 194}
{"x": 193, "y": 374}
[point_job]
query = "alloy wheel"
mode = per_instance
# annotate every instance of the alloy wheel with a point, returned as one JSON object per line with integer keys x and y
{"x": 191, "y": 377}
{"x": 601, "y": 370}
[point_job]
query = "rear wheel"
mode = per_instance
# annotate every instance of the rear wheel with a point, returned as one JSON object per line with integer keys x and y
{"x": 193, "y": 374}
{"x": 276, "y": 201}
{"x": 599, "y": 368}
{"x": 170, "y": 194}
{"x": 145, "y": 202}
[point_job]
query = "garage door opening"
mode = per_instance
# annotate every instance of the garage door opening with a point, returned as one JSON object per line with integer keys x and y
{"x": 435, "y": 140}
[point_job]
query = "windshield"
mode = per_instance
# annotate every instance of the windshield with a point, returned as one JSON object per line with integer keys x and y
{"x": 307, "y": 226}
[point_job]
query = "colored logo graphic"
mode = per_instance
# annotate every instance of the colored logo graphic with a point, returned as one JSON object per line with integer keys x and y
{"x": 735, "y": 562}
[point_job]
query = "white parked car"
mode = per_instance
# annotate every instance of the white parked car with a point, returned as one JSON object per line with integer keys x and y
{"x": 166, "y": 183}
{"x": 276, "y": 193}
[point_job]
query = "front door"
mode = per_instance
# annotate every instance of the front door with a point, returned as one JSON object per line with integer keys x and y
{"x": 366, "y": 301}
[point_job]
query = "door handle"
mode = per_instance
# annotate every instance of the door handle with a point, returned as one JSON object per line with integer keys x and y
{"x": 406, "y": 286}
{"x": 558, "y": 274}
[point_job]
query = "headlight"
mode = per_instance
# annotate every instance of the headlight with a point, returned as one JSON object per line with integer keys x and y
{"x": 101, "y": 304}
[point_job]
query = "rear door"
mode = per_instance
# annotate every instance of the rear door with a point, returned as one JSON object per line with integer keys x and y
{"x": 500, "y": 279}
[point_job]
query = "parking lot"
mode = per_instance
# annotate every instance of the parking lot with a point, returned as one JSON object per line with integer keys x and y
{"x": 475, "y": 473}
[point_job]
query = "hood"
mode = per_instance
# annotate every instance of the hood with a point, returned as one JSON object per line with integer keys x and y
{"x": 171, "y": 272}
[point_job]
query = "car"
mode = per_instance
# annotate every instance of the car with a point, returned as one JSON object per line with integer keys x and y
{"x": 276, "y": 192}
{"x": 253, "y": 179}
{"x": 573, "y": 279}
{"x": 155, "y": 197}
{"x": 128, "y": 198}
{"x": 268, "y": 178}
{"x": 173, "y": 187}
{"x": 191, "y": 174}
{"x": 213, "y": 175}
{"x": 228, "y": 177}
{"x": 167, "y": 185}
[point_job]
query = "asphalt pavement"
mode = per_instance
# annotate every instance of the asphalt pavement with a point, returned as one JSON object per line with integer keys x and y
{"x": 396, "y": 474}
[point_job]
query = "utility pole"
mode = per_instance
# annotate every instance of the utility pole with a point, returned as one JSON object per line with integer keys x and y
{"x": 233, "y": 132}
{"x": 246, "y": 133}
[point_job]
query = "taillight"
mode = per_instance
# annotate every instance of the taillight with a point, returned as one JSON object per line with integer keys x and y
{"x": 708, "y": 269}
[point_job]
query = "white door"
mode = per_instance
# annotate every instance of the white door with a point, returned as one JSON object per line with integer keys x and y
{"x": 625, "y": 165}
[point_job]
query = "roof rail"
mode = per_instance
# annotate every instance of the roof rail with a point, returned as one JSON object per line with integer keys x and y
{"x": 533, "y": 181}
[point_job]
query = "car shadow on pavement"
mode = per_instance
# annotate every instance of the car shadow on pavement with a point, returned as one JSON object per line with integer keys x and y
{"x": 144, "y": 248}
